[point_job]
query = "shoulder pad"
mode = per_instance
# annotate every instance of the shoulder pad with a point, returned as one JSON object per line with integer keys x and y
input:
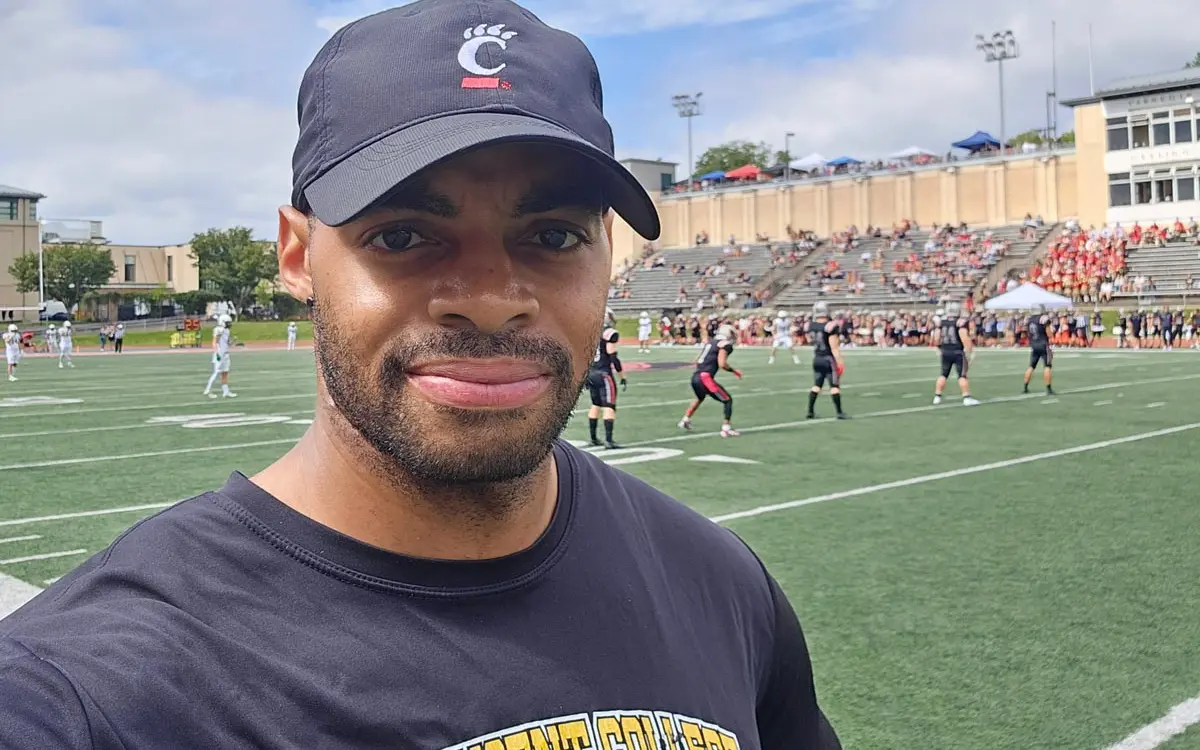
{"x": 610, "y": 335}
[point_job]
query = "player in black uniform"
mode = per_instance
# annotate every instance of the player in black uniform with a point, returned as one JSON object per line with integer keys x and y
{"x": 603, "y": 388}
{"x": 1040, "y": 351}
{"x": 953, "y": 338}
{"x": 713, "y": 357}
{"x": 825, "y": 336}
{"x": 1122, "y": 329}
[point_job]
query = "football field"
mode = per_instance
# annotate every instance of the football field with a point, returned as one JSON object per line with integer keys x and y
{"x": 1020, "y": 574}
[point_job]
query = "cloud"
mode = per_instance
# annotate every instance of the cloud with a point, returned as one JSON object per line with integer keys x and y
{"x": 912, "y": 76}
{"x": 152, "y": 150}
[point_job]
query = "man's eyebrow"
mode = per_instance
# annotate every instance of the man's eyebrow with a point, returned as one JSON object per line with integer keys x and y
{"x": 542, "y": 199}
{"x": 420, "y": 199}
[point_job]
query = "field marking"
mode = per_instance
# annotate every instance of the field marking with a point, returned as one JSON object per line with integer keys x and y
{"x": 146, "y": 454}
{"x": 142, "y": 407}
{"x": 43, "y": 556}
{"x": 51, "y": 581}
{"x": 1174, "y": 723}
{"x": 910, "y": 410}
{"x": 139, "y": 425}
{"x": 1050, "y": 401}
{"x": 1156, "y": 404}
{"x": 85, "y": 514}
{"x": 12, "y": 539}
{"x": 14, "y": 593}
{"x": 951, "y": 474}
{"x": 1102, "y": 403}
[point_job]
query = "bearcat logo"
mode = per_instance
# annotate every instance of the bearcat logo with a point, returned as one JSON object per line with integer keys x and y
{"x": 609, "y": 730}
{"x": 468, "y": 55}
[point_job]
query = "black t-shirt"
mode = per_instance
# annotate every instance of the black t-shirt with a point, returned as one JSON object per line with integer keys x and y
{"x": 951, "y": 341}
{"x": 603, "y": 361}
{"x": 710, "y": 356}
{"x": 821, "y": 332}
{"x": 232, "y": 621}
{"x": 1038, "y": 338}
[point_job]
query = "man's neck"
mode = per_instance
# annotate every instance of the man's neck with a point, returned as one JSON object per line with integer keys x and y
{"x": 326, "y": 479}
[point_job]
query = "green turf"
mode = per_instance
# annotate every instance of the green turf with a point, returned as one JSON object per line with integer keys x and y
{"x": 1045, "y": 604}
{"x": 264, "y": 331}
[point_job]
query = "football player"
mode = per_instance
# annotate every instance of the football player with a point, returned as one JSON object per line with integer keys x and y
{"x": 827, "y": 362}
{"x": 783, "y": 337}
{"x": 220, "y": 358}
{"x": 953, "y": 338}
{"x": 713, "y": 357}
{"x": 12, "y": 350}
{"x": 603, "y": 388}
{"x": 1039, "y": 348}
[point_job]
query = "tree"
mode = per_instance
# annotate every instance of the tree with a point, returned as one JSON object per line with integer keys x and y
{"x": 728, "y": 156}
{"x": 232, "y": 262}
{"x": 1029, "y": 136}
{"x": 782, "y": 158}
{"x": 1067, "y": 138}
{"x": 1195, "y": 62}
{"x": 71, "y": 271}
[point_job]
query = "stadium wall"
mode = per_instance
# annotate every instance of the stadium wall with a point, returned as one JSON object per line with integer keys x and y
{"x": 983, "y": 193}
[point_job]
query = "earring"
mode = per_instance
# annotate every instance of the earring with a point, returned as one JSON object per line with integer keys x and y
{"x": 310, "y": 302}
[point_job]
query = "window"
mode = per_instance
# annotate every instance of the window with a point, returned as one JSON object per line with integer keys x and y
{"x": 1141, "y": 134}
{"x": 1185, "y": 188}
{"x": 1162, "y": 134}
{"x": 8, "y": 209}
{"x": 33, "y": 210}
{"x": 1142, "y": 192}
{"x": 170, "y": 268}
{"x": 1165, "y": 190}
{"x": 1119, "y": 190}
{"x": 1118, "y": 138}
{"x": 130, "y": 268}
{"x": 1183, "y": 131}
{"x": 1117, "y": 121}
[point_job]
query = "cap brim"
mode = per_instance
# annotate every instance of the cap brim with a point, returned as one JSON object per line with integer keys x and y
{"x": 360, "y": 180}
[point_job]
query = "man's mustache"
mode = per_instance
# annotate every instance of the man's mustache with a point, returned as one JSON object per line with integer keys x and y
{"x": 468, "y": 344}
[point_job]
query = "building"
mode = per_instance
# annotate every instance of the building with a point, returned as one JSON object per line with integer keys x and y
{"x": 138, "y": 267}
{"x": 1138, "y": 142}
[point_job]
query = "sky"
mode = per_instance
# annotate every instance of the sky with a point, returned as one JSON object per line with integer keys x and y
{"x": 166, "y": 118}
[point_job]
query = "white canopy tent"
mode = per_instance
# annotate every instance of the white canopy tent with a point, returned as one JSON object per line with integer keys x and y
{"x": 1025, "y": 297}
{"x": 808, "y": 163}
{"x": 911, "y": 152}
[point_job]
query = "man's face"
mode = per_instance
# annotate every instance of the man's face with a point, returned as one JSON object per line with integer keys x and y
{"x": 455, "y": 324}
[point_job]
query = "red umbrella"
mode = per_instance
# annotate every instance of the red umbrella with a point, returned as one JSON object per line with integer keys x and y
{"x": 747, "y": 172}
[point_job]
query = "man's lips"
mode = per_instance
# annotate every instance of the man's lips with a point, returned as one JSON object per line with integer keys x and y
{"x": 481, "y": 383}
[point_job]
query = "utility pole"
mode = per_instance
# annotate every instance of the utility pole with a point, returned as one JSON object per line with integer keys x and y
{"x": 1002, "y": 46}
{"x": 688, "y": 106}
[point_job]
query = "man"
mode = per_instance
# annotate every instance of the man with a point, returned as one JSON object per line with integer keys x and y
{"x": 66, "y": 346}
{"x": 953, "y": 339}
{"x": 827, "y": 363}
{"x": 714, "y": 356}
{"x": 291, "y": 336}
{"x": 119, "y": 338}
{"x": 645, "y": 324}
{"x": 429, "y": 567}
{"x": 12, "y": 350}
{"x": 783, "y": 338}
{"x": 220, "y": 358}
{"x": 603, "y": 387}
{"x": 51, "y": 337}
{"x": 1040, "y": 350}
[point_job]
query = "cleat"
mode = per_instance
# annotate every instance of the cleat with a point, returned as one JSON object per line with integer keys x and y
{"x": 685, "y": 424}
{"x": 596, "y": 442}
{"x": 610, "y": 445}
{"x": 937, "y": 400}
{"x": 729, "y": 432}
{"x": 770, "y": 360}
{"x": 12, "y": 378}
{"x": 968, "y": 401}
{"x": 810, "y": 415}
{"x": 843, "y": 416}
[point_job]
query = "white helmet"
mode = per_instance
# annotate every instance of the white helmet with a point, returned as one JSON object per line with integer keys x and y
{"x": 725, "y": 332}
{"x": 51, "y": 326}
{"x": 120, "y": 326}
{"x": 781, "y": 314}
{"x": 645, "y": 313}
{"x": 12, "y": 328}
{"x": 820, "y": 309}
{"x": 225, "y": 320}
{"x": 66, "y": 324}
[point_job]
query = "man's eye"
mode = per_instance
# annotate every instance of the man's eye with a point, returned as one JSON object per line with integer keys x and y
{"x": 395, "y": 240}
{"x": 558, "y": 239}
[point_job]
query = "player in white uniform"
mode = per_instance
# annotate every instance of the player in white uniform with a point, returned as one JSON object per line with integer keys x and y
{"x": 65, "y": 346}
{"x": 51, "y": 336}
{"x": 291, "y": 336}
{"x": 220, "y": 358}
{"x": 645, "y": 324}
{"x": 12, "y": 351}
{"x": 783, "y": 338}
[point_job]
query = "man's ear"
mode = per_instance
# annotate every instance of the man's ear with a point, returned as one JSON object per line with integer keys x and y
{"x": 294, "y": 240}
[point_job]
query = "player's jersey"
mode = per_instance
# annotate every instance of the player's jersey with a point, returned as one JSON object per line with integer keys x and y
{"x": 221, "y": 336}
{"x": 644, "y": 324}
{"x": 64, "y": 337}
{"x": 951, "y": 341}
{"x": 710, "y": 355}
{"x": 820, "y": 336}
{"x": 783, "y": 327}
{"x": 291, "y": 329}
{"x": 12, "y": 343}
{"x": 603, "y": 361}
{"x": 1038, "y": 336}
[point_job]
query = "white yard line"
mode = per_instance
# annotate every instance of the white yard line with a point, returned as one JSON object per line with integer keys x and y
{"x": 1174, "y": 723}
{"x": 14, "y": 593}
{"x": 978, "y": 468}
{"x": 146, "y": 454}
{"x": 138, "y": 426}
{"x": 52, "y": 411}
{"x": 28, "y": 538}
{"x": 43, "y": 556}
{"x": 84, "y": 514}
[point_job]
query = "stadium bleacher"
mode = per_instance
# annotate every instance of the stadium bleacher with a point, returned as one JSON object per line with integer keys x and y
{"x": 1168, "y": 267}
{"x": 659, "y": 287}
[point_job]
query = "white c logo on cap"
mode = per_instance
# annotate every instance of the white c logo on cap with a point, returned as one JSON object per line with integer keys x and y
{"x": 477, "y": 36}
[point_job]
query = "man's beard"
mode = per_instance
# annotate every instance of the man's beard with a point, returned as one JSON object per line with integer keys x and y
{"x": 475, "y": 447}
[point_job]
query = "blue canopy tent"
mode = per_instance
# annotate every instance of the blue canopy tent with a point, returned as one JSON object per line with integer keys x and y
{"x": 843, "y": 161}
{"x": 978, "y": 141}
{"x": 714, "y": 175}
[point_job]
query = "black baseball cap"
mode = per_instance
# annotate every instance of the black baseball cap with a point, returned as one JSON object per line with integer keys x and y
{"x": 400, "y": 91}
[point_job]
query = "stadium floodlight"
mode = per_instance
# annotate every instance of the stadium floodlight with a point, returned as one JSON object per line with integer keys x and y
{"x": 688, "y": 106}
{"x": 1002, "y": 46}
{"x": 787, "y": 156}
{"x": 41, "y": 266}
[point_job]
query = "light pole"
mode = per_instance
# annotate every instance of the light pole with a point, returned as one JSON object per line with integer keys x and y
{"x": 41, "y": 269}
{"x": 1002, "y": 46}
{"x": 787, "y": 157}
{"x": 688, "y": 106}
